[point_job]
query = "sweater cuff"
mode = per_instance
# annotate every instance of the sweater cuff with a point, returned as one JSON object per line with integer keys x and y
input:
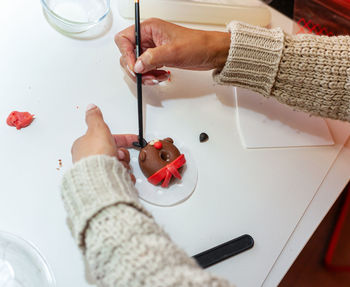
{"x": 254, "y": 57}
{"x": 93, "y": 184}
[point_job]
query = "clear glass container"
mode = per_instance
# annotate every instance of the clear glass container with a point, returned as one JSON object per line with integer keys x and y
{"x": 21, "y": 264}
{"x": 75, "y": 16}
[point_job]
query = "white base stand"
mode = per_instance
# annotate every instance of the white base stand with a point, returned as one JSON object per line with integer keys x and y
{"x": 178, "y": 190}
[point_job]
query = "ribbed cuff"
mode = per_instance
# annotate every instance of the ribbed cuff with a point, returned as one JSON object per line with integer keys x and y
{"x": 93, "y": 184}
{"x": 254, "y": 57}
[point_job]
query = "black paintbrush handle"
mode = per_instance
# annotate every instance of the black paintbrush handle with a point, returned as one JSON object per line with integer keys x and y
{"x": 139, "y": 108}
{"x": 137, "y": 29}
{"x": 139, "y": 76}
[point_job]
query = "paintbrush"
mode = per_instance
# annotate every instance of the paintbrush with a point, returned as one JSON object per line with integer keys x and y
{"x": 141, "y": 143}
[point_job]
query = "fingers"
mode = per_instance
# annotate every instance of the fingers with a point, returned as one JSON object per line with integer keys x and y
{"x": 167, "y": 44}
{"x": 125, "y": 140}
{"x": 125, "y": 41}
{"x": 153, "y": 77}
{"x": 123, "y": 155}
{"x": 153, "y": 59}
{"x": 156, "y": 52}
{"x": 94, "y": 119}
{"x": 127, "y": 70}
{"x": 126, "y": 165}
{"x": 74, "y": 149}
{"x": 133, "y": 178}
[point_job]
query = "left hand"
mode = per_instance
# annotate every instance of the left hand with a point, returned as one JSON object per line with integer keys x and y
{"x": 99, "y": 140}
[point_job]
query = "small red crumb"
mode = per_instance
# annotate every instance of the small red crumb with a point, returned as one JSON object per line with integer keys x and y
{"x": 59, "y": 164}
{"x": 169, "y": 73}
{"x": 19, "y": 119}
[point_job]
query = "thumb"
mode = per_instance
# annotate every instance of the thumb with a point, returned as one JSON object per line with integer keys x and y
{"x": 94, "y": 118}
{"x": 153, "y": 58}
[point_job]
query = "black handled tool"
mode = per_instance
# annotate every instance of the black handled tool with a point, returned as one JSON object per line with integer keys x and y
{"x": 224, "y": 251}
{"x": 141, "y": 143}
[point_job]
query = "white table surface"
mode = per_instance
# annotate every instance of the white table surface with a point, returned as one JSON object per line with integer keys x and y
{"x": 264, "y": 193}
{"x": 327, "y": 193}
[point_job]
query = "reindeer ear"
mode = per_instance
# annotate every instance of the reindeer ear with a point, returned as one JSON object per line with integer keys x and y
{"x": 142, "y": 155}
{"x": 170, "y": 140}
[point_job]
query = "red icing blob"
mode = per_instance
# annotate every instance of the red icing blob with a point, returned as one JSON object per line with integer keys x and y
{"x": 158, "y": 145}
{"x": 19, "y": 119}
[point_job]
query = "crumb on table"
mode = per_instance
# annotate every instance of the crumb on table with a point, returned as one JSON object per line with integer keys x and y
{"x": 59, "y": 164}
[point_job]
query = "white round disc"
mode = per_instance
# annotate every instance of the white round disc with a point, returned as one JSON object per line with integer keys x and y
{"x": 178, "y": 190}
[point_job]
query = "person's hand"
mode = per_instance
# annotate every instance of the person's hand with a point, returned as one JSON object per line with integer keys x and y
{"x": 99, "y": 140}
{"x": 170, "y": 45}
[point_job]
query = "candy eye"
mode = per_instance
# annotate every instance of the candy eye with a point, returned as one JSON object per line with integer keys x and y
{"x": 158, "y": 145}
{"x": 164, "y": 155}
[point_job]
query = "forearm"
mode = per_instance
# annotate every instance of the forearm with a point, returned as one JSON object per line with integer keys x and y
{"x": 314, "y": 75}
{"x": 310, "y": 73}
{"x": 126, "y": 248}
{"x": 120, "y": 240}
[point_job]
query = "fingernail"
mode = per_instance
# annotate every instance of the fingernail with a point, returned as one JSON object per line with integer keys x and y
{"x": 130, "y": 71}
{"x": 156, "y": 82}
{"x": 139, "y": 67}
{"x": 90, "y": 107}
{"x": 149, "y": 82}
{"x": 163, "y": 77}
{"x": 120, "y": 155}
{"x": 147, "y": 77}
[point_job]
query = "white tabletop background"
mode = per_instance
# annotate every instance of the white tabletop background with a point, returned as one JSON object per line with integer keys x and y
{"x": 260, "y": 192}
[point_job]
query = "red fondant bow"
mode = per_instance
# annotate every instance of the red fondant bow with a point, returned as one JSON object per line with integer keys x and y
{"x": 168, "y": 171}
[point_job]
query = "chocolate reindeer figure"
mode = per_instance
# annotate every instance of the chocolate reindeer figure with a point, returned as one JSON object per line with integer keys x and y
{"x": 160, "y": 160}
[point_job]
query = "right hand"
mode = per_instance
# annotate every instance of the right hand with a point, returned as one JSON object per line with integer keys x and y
{"x": 170, "y": 45}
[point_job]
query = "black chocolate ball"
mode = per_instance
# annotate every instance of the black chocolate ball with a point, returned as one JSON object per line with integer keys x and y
{"x": 203, "y": 137}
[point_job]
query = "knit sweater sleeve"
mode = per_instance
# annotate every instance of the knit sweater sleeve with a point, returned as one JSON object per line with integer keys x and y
{"x": 308, "y": 72}
{"x": 120, "y": 240}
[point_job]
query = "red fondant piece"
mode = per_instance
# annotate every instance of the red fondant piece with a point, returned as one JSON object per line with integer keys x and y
{"x": 174, "y": 171}
{"x": 19, "y": 119}
{"x": 166, "y": 179}
{"x": 158, "y": 145}
{"x": 168, "y": 171}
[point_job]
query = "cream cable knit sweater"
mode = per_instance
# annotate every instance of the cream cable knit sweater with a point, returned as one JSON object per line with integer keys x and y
{"x": 310, "y": 73}
{"x": 121, "y": 242}
{"x": 119, "y": 238}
